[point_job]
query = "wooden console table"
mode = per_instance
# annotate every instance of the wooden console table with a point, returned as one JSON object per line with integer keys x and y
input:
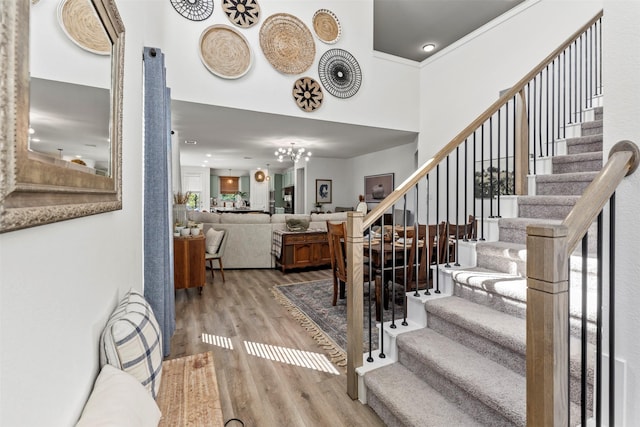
{"x": 301, "y": 249}
{"x": 188, "y": 262}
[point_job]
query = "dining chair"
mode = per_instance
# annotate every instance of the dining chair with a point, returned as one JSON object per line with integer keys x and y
{"x": 456, "y": 232}
{"x": 428, "y": 249}
{"x": 209, "y": 257}
{"x": 337, "y": 234}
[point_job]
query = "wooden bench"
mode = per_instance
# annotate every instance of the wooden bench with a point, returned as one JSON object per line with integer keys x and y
{"x": 188, "y": 393}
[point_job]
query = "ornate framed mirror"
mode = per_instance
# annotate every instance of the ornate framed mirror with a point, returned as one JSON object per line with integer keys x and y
{"x": 36, "y": 188}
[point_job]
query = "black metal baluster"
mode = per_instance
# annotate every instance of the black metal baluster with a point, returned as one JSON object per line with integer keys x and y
{"x": 404, "y": 257}
{"x": 554, "y": 133}
{"x": 370, "y": 357}
{"x": 393, "y": 268}
{"x": 491, "y": 188}
{"x": 564, "y": 93}
{"x": 475, "y": 176}
{"x": 447, "y": 265}
{"x": 612, "y": 311}
{"x": 383, "y": 286}
{"x": 531, "y": 119}
{"x": 429, "y": 269}
{"x": 437, "y": 272}
{"x": 457, "y": 263}
{"x": 466, "y": 180}
{"x": 570, "y": 48}
{"x": 546, "y": 106}
{"x": 583, "y": 326}
{"x": 599, "y": 285}
{"x": 481, "y": 180}
{"x": 540, "y": 113}
{"x": 499, "y": 168}
{"x": 506, "y": 147}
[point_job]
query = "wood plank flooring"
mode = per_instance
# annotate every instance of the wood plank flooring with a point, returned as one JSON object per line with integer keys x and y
{"x": 259, "y": 391}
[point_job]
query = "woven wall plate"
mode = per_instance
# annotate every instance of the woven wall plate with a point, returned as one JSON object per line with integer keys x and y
{"x": 193, "y": 10}
{"x": 242, "y": 13}
{"x": 225, "y": 52}
{"x": 308, "y": 94}
{"x": 287, "y": 43}
{"x": 326, "y": 26}
{"x": 339, "y": 73}
{"x": 81, "y": 24}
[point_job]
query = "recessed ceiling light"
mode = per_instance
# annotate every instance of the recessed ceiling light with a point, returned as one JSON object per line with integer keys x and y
{"x": 428, "y": 47}
{"x": 35, "y": 139}
{"x": 208, "y": 155}
{"x": 191, "y": 142}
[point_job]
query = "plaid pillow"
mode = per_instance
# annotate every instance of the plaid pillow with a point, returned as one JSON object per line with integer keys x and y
{"x": 132, "y": 341}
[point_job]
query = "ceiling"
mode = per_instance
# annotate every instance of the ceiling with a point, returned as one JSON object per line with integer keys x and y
{"x": 239, "y": 140}
{"x": 401, "y": 28}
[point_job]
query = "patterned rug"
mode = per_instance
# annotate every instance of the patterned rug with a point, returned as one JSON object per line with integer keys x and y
{"x": 310, "y": 304}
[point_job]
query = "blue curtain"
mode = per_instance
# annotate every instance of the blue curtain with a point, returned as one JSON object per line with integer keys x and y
{"x": 158, "y": 235}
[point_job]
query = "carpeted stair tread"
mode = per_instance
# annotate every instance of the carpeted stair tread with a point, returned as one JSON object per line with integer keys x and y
{"x": 514, "y": 230}
{"x": 490, "y": 281}
{"x": 573, "y": 183}
{"x": 412, "y": 401}
{"x": 581, "y": 162}
{"x": 502, "y": 256}
{"x": 543, "y": 206}
{"x": 593, "y": 127}
{"x": 501, "y": 328}
{"x": 584, "y": 144}
{"x": 497, "y": 387}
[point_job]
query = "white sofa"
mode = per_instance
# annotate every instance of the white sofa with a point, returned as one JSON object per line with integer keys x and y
{"x": 250, "y": 234}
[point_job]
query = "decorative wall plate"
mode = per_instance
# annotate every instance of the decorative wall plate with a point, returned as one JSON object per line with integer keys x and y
{"x": 194, "y": 10}
{"x": 308, "y": 94}
{"x": 81, "y": 24}
{"x": 225, "y": 52}
{"x": 287, "y": 43}
{"x": 326, "y": 26}
{"x": 340, "y": 73}
{"x": 242, "y": 13}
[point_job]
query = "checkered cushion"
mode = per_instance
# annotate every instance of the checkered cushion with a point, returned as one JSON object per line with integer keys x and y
{"x": 132, "y": 341}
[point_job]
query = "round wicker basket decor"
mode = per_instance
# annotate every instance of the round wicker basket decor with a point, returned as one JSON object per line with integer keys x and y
{"x": 242, "y": 13}
{"x": 326, "y": 26}
{"x": 225, "y": 52}
{"x": 193, "y": 10}
{"x": 81, "y": 24}
{"x": 340, "y": 73}
{"x": 308, "y": 94}
{"x": 287, "y": 43}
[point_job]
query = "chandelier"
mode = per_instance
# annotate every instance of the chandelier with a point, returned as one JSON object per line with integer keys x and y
{"x": 292, "y": 154}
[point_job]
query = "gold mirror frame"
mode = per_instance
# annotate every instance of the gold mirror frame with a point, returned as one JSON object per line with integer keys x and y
{"x": 36, "y": 189}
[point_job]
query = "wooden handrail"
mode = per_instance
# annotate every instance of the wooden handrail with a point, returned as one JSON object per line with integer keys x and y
{"x": 623, "y": 160}
{"x": 429, "y": 165}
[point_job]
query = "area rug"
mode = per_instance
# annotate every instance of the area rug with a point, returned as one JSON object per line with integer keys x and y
{"x": 310, "y": 304}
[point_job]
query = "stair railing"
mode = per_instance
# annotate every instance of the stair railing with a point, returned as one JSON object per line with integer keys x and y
{"x": 548, "y": 252}
{"x": 521, "y": 126}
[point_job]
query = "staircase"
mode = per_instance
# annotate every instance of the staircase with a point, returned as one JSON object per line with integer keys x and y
{"x": 467, "y": 367}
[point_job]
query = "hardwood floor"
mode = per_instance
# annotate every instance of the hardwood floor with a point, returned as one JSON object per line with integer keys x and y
{"x": 259, "y": 391}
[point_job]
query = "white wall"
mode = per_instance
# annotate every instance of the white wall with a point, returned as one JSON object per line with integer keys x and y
{"x": 621, "y": 112}
{"x": 267, "y": 90}
{"x": 397, "y": 160}
{"x": 60, "y": 282}
{"x": 459, "y": 84}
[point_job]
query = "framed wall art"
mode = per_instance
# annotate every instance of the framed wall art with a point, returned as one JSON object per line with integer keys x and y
{"x": 323, "y": 190}
{"x": 377, "y": 187}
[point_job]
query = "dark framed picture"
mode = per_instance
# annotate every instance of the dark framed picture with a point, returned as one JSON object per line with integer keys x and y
{"x": 323, "y": 190}
{"x": 377, "y": 187}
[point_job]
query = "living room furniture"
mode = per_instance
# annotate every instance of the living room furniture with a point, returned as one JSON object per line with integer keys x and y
{"x": 249, "y": 243}
{"x": 188, "y": 262}
{"x": 209, "y": 257}
{"x": 303, "y": 249}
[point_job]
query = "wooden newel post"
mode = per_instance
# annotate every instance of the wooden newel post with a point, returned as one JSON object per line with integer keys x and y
{"x": 547, "y": 326}
{"x": 354, "y": 300}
